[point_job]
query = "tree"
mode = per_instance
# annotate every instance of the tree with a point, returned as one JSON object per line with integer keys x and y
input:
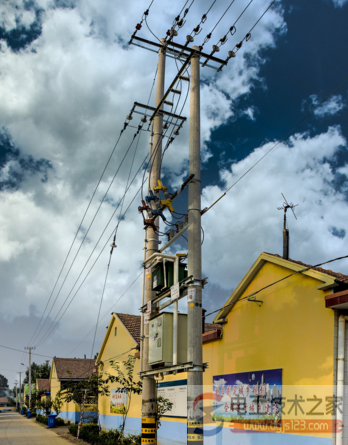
{"x": 45, "y": 404}
{"x": 38, "y": 372}
{"x": 3, "y": 382}
{"x": 163, "y": 405}
{"x": 57, "y": 403}
{"x": 126, "y": 380}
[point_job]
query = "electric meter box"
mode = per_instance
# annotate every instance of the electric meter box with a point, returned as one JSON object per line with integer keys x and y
{"x": 161, "y": 339}
{"x": 158, "y": 282}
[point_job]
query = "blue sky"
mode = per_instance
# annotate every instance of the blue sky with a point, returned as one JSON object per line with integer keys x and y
{"x": 67, "y": 82}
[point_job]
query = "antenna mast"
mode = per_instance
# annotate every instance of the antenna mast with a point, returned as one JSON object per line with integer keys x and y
{"x": 285, "y": 207}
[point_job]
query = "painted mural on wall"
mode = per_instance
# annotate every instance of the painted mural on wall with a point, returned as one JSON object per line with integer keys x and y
{"x": 248, "y": 395}
{"x": 118, "y": 400}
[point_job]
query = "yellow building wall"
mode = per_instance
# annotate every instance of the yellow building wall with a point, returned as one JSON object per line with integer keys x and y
{"x": 122, "y": 343}
{"x": 55, "y": 387}
{"x": 291, "y": 330}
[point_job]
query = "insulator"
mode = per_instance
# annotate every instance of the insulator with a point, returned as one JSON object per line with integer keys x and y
{"x": 138, "y": 26}
{"x": 146, "y": 12}
{"x": 173, "y": 32}
{"x": 216, "y": 49}
{"x": 231, "y": 54}
{"x": 176, "y": 132}
{"x": 223, "y": 40}
{"x": 233, "y": 30}
{"x": 180, "y": 22}
{"x": 200, "y": 48}
{"x": 177, "y": 18}
{"x": 170, "y": 140}
{"x": 186, "y": 11}
{"x": 143, "y": 119}
{"x": 196, "y": 29}
{"x": 129, "y": 117}
{"x": 204, "y": 18}
{"x": 239, "y": 45}
{"x": 189, "y": 39}
{"x": 180, "y": 225}
{"x": 165, "y": 126}
{"x": 168, "y": 32}
{"x": 247, "y": 37}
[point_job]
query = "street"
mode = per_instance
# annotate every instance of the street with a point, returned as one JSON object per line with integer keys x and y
{"x": 18, "y": 430}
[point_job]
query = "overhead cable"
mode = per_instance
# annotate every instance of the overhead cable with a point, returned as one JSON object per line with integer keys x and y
{"x": 305, "y": 269}
{"x": 80, "y": 225}
{"x": 205, "y": 210}
{"x": 113, "y": 245}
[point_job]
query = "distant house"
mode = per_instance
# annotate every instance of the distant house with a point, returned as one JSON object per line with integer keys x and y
{"x": 122, "y": 339}
{"x": 62, "y": 371}
{"x": 43, "y": 386}
{"x": 4, "y": 402}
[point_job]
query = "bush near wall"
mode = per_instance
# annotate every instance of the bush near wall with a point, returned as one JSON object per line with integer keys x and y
{"x": 90, "y": 433}
{"x": 44, "y": 420}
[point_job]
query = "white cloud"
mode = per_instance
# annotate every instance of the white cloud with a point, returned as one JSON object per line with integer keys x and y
{"x": 330, "y": 107}
{"x": 64, "y": 98}
{"x": 340, "y": 3}
{"x": 250, "y": 112}
{"x": 246, "y": 221}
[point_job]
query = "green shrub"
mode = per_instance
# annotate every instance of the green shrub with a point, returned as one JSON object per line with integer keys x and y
{"x": 90, "y": 433}
{"x": 73, "y": 430}
{"x": 59, "y": 421}
{"x": 42, "y": 419}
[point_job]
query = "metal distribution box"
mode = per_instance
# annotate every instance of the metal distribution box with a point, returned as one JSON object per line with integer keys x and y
{"x": 161, "y": 339}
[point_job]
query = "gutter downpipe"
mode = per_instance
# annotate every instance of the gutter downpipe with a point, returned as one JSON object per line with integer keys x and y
{"x": 340, "y": 376}
{"x": 176, "y": 302}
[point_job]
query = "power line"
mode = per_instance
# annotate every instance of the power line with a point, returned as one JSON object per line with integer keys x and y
{"x": 113, "y": 245}
{"x": 205, "y": 210}
{"x": 80, "y": 225}
{"x": 124, "y": 293}
{"x": 51, "y": 330}
{"x": 208, "y": 37}
{"x": 278, "y": 281}
{"x": 89, "y": 227}
{"x": 19, "y": 350}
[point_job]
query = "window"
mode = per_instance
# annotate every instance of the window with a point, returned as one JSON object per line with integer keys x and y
{"x": 115, "y": 332}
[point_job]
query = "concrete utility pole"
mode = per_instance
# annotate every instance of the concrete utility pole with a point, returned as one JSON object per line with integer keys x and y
{"x": 20, "y": 390}
{"x": 16, "y": 396}
{"x": 194, "y": 306}
{"x": 149, "y": 383}
{"x": 30, "y": 348}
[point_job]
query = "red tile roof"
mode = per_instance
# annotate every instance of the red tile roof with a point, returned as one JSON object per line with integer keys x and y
{"x": 43, "y": 385}
{"x": 74, "y": 368}
{"x": 133, "y": 323}
{"x": 339, "y": 276}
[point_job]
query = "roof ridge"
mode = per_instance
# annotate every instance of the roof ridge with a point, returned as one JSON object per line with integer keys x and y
{"x": 341, "y": 277}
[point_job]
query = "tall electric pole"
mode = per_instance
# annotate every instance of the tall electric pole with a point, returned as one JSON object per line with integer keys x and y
{"x": 194, "y": 306}
{"x": 30, "y": 348}
{"x": 149, "y": 383}
{"x": 16, "y": 396}
{"x": 20, "y": 390}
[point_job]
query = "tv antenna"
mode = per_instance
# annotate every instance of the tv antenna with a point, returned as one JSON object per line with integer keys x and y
{"x": 285, "y": 207}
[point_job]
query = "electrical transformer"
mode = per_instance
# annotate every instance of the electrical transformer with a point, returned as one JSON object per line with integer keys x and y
{"x": 161, "y": 339}
{"x": 163, "y": 275}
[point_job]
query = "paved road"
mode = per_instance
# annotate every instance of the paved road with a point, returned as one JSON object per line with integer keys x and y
{"x": 18, "y": 430}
